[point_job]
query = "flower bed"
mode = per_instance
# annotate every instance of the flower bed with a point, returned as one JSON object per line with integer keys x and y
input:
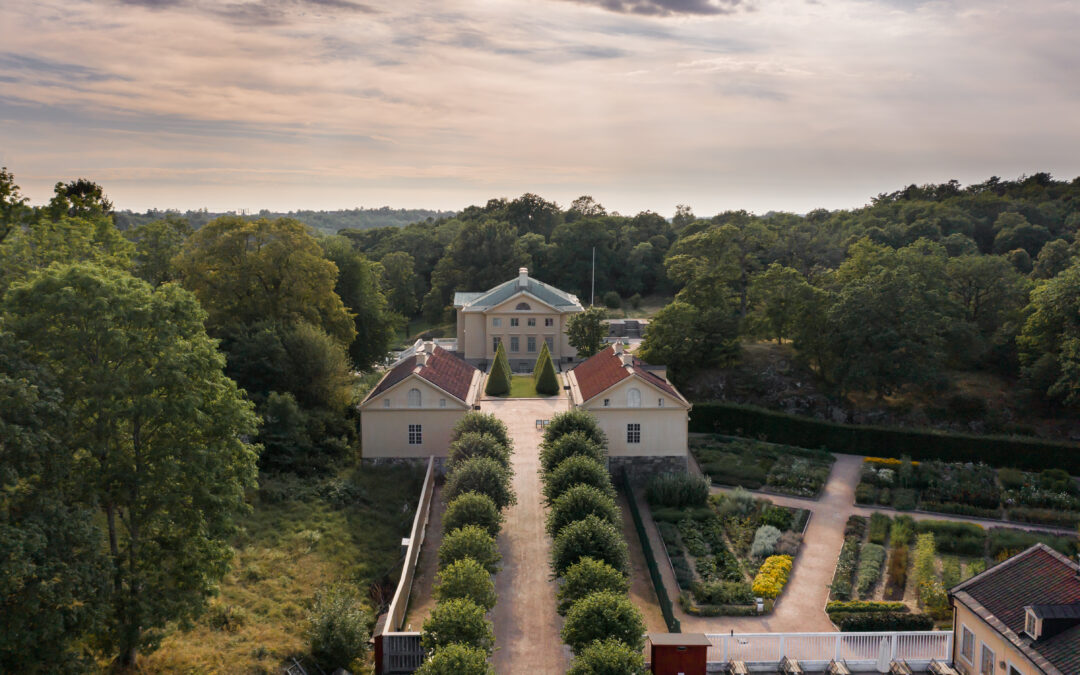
{"x": 772, "y": 577}
{"x": 757, "y": 465}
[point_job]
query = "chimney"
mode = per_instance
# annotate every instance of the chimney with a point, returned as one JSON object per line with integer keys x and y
{"x": 421, "y": 355}
{"x": 523, "y": 277}
{"x": 627, "y": 358}
{"x": 618, "y": 348}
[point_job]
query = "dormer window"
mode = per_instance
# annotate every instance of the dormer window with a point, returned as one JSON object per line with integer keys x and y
{"x": 1031, "y": 624}
{"x": 523, "y": 307}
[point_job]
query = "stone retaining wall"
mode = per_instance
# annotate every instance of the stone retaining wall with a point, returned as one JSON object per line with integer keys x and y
{"x": 640, "y": 468}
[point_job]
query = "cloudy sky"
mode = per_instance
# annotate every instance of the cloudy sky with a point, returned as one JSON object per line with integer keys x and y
{"x": 644, "y": 104}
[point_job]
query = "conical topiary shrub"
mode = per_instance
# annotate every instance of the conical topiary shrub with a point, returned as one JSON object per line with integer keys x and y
{"x": 547, "y": 382}
{"x": 544, "y": 352}
{"x": 498, "y": 382}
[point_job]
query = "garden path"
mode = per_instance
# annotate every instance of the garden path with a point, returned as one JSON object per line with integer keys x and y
{"x": 526, "y": 623}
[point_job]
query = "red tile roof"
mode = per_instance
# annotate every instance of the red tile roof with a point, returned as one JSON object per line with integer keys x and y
{"x": 605, "y": 369}
{"x": 1038, "y": 576}
{"x": 446, "y": 371}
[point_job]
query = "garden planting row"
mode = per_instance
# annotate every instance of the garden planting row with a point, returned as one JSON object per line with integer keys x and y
{"x": 757, "y": 465}
{"x": 457, "y": 637}
{"x": 726, "y": 550}
{"x": 894, "y": 573}
{"x": 589, "y": 555}
{"x": 1049, "y": 497}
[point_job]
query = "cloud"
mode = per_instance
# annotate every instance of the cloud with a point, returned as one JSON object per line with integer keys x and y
{"x": 666, "y": 7}
{"x": 255, "y": 12}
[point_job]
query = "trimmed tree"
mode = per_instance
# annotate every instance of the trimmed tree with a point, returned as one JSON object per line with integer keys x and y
{"x": 577, "y": 470}
{"x": 575, "y": 420}
{"x": 569, "y": 445}
{"x": 470, "y": 541}
{"x": 600, "y": 616}
{"x": 473, "y": 444}
{"x": 457, "y": 659}
{"x": 591, "y": 538}
{"x": 483, "y": 475}
{"x": 609, "y": 657}
{"x": 546, "y": 381}
{"x": 498, "y": 382}
{"x": 578, "y": 503}
{"x": 588, "y": 576}
{"x": 544, "y": 352}
{"x": 482, "y": 423}
{"x": 457, "y": 621}
{"x": 472, "y": 508}
{"x": 466, "y": 578}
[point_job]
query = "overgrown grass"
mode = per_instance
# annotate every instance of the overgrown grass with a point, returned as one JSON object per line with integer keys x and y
{"x": 301, "y": 536}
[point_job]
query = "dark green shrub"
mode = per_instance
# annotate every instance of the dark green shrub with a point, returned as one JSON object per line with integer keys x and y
{"x": 456, "y": 659}
{"x": 845, "y": 570}
{"x": 684, "y": 576}
{"x": 677, "y": 490}
{"x": 589, "y": 538}
{"x": 338, "y": 627}
{"x": 612, "y": 300}
{"x": 577, "y": 470}
{"x": 466, "y": 578}
{"x": 1011, "y": 479}
{"x": 544, "y": 352}
{"x": 635, "y": 300}
{"x": 600, "y": 616}
{"x": 872, "y": 622}
{"x": 903, "y": 530}
{"x": 1067, "y": 519}
{"x": 472, "y": 508}
{"x": 569, "y": 445}
{"x": 609, "y": 657}
{"x": 469, "y": 542}
{"x": 578, "y": 503}
{"x": 546, "y": 382}
{"x": 482, "y": 423}
{"x": 577, "y": 419}
{"x": 1006, "y": 542}
{"x": 777, "y": 516}
{"x": 871, "y": 559}
{"x": 879, "y": 528}
{"x": 865, "y": 606}
{"x": 472, "y": 444}
{"x": 498, "y": 381}
{"x": 457, "y": 621}
{"x": 855, "y": 527}
{"x": 484, "y": 476}
{"x": 589, "y": 576}
{"x": 723, "y": 593}
{"x": 966, "y": 539}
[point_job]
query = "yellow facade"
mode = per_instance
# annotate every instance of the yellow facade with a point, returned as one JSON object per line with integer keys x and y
{"x": 477, "y": 330}
{"x": 386, "y": 418}
{"x": 662, "y": 420}
{"x": 1007, "y": 659}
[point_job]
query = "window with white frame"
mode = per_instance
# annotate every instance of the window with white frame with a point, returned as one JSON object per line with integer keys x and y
{"x": 496, "y": 322}
{"x": 513, "y": 322}
{"x": 1031, "y": 625}
{"x": 416, "y": 434}
{"x": 633, "y": 398}
{"x": 986, "y": 661}
{"x": 386, "y": 403}
{"x": 495, "y": 343}
{"x": 550, "y": 343}
{"x": 515, "y": 343}
{"x": 530, "y": 342}
{"x": 414, "y": 398}
{"x": 442, "y": 402}
{"x": 531, "y": 321}
{"x": 633, "y": 433}
{"x": 549, "y": 322}
{"x": 967, "y": 645}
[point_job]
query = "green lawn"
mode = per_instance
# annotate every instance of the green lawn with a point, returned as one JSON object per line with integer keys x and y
{"x": 521, "y": 386}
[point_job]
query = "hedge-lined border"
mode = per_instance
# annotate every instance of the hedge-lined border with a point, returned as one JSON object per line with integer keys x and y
{"x": 662, "y": 596}
{"x": 754, "y": 422}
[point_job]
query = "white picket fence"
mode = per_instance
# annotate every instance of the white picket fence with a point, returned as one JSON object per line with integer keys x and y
{"x": 861, "y": 651}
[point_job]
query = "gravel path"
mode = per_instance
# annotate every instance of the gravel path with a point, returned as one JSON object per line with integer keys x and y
{"x": 526, "y": 623}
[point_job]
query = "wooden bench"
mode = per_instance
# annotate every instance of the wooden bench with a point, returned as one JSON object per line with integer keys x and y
{"x": 938, "y": 668}
{"x": 899, "y": 668}
{"x": 737, "y": 668}
{"x": 837, "y": 668}
{"x": 790, "y": 666}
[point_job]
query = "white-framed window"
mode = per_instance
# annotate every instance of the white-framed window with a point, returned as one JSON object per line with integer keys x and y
{"x": 1031, "y": 624}
{"x": 633, "y": 398}
{"x": 442, "y": 402}
{"x": 659, "y": 403}
{"x": 495, "y": 343}
{"x": 607, "y": 402}
{"x": 416, "y": 434}
{"x": 633, "y": 433}
{"x": 530, "y": 342}
{"x": 515, "y": 343}
{"x": 496, "y": 322}
{"x": 531, "y": 321}
{"x": 967, "y": 644}
{"x": 986, "y": 661}
{"x": 549, "y": 322}
{"x": 386, "y": 403}
{"x": 513, "y": 322}
{"x": 550, "y": 342}
{"x": 414, "y": 398}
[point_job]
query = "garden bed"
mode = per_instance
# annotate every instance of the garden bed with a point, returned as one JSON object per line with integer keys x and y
{"x": 730, "y": 551}
{"x": 1047, "y": 498}
{"x": 758, "y": 465}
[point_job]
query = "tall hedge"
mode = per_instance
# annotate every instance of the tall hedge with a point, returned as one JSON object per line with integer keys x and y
{"x": 539, "y": 359}
{"x": 753, "y": 422}
{"x": 498, "y": 382}
{"x": 546, "y": 381}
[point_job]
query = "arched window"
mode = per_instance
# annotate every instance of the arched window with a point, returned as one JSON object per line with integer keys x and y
{"x": 633, "y": 398}
{"x": 414, "y": 398}
{"x": 523, "y": 306}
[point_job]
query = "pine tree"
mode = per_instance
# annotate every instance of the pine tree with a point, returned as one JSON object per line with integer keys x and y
{"x": 546, "y": 381}
{"x": 544, "y": 353}
{"x": 498, "y": 382}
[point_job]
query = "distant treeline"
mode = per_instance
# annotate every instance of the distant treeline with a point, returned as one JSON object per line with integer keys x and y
{"x": 326, "y": 222}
